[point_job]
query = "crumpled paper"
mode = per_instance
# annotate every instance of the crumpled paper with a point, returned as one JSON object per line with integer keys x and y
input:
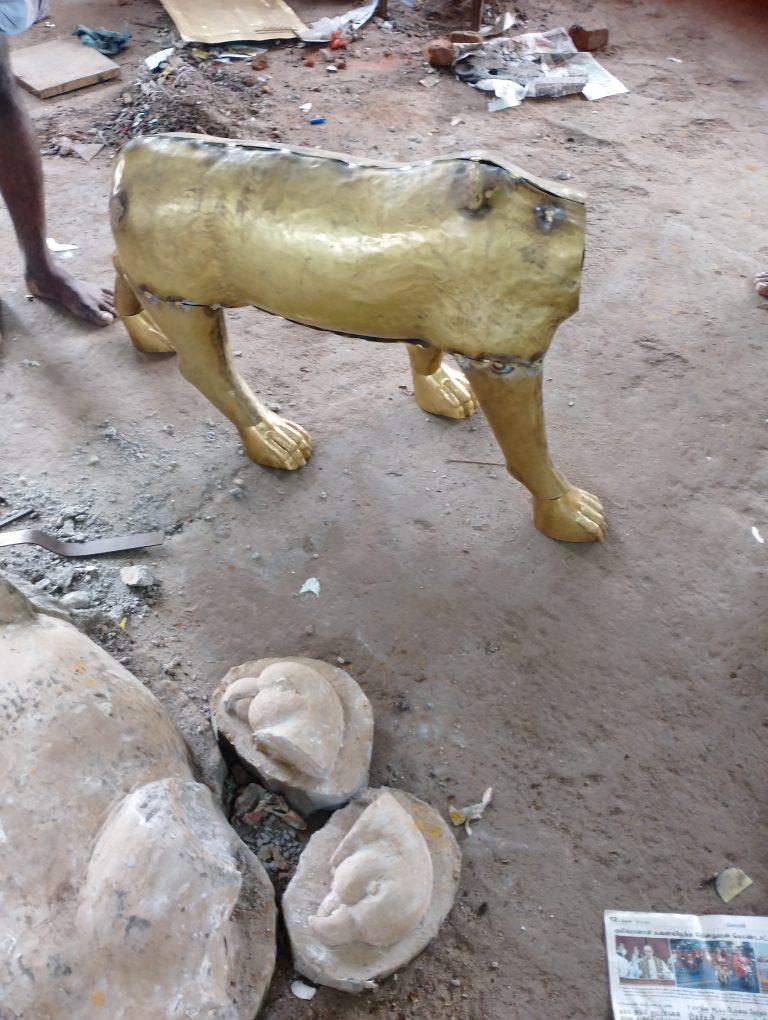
{"x": 471, "y": 813}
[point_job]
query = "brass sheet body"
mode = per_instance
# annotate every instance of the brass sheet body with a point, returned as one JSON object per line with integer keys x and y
{"x": 448, "y": 251}
{"x": 467, "y": 255}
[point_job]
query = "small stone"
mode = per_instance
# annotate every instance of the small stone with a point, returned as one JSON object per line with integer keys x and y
{"x": 68, "y": 528}
{"x": 76, "y": 600}
{"x": 138, "y": 577}
{"x": 310, "y": 630}
{"x": 110, "y": 432}
{"x": 563, "y": 175}
{"x": 28, "y": 363}
{"x": 93, "y": 460}
{"x": 439, "y": 52}
{"x": 260, "y": 62}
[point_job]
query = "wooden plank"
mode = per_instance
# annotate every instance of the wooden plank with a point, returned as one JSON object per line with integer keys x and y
{"x": 60, "y": 65}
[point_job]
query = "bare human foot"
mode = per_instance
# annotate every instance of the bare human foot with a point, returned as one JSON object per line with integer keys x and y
{"x": 85, "y": 300}
{"x": 761, "y": 284}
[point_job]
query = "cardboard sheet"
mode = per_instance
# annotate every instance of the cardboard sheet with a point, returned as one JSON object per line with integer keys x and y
{"x": 220, "y": 21}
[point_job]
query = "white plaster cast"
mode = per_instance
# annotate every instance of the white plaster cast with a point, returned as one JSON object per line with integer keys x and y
{"x": 294, "y": 713}
{"x": 308, "y": 737}
{"x": 125, "y": 894}
{"x": 340, "y": 907}
{"x": 382, "y": 880}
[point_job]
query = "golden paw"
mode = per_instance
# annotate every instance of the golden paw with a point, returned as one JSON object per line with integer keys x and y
{"x": 576, "y": 516}
{"x": 445, "y": 392}
{"x": 277, "y": 443}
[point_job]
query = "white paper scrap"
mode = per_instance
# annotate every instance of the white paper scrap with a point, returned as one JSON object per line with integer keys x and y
{"x": 756, "y": 535}
{"x": 310, "y": 585}
{"x": 471, "y": 813}
{"x": 600, "y": 83}
{"x": 156, "y": 60}
{"x": 303, "y": 991}
{"x": 54, "y": 245}
{"x": 508, "y": 94}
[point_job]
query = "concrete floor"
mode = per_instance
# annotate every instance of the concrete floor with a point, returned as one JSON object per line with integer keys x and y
{"x": 613, "y": 696}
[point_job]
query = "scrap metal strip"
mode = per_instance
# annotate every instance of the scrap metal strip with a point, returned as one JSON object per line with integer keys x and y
{"x": 31, "y": 536}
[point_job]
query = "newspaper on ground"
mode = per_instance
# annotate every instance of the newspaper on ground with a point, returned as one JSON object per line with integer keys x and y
{"x": 684, "y": 967}
{"x": 532, "y": 65}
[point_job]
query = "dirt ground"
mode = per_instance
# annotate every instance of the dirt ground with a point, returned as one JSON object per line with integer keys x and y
{"x": 612, "y": 695}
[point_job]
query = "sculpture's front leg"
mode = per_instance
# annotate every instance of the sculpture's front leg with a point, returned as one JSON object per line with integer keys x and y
{"x": 510, "y": 395}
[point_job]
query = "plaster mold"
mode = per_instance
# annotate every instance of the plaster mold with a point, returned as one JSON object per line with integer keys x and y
{"x": 125, "y": 892}
{"x": 303, "y": 727}
{"x": 371, "y": 890}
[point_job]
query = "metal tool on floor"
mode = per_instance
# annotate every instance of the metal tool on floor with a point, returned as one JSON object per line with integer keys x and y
{"x": 99, "y": 546}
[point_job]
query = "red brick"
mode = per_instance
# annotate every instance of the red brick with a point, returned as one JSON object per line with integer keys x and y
{"x": 439, "y": 52}
{"x": 588, "y": 39}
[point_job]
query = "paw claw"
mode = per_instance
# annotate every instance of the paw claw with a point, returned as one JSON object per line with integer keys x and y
{"x": 446, "y": 392}
{"x": 277, "y": 443}
{"x": 576, "y": 516}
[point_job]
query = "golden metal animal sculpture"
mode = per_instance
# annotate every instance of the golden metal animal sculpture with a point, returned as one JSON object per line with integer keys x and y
{"x": 464, "y": 255}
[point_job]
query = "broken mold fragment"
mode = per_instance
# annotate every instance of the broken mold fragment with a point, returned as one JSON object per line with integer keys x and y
{"x": 304, "y": 728}
{"x": 371, "y": 890}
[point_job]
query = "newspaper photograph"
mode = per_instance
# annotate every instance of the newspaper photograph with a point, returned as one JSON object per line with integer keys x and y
{"x": 684, "y": 967}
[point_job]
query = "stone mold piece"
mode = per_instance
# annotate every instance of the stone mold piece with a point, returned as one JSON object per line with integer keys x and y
{"x": 366, "y": 899}
{"x": 304, "y": 728}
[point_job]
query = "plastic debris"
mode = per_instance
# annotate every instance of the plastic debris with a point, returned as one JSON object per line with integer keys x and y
{"x": 500, "y": 25}
{"x": 730, "y": 882}
{"x": 756, "y": 535}
{"x": 302, "y": 991}
{"x": 311, "y": 584}
{"x": 317, "y": 120}
{"x": 324, "y": 29}
{"x": 103, "y": 39}
{"x": 532, "y": 65}
{"x": 471, "y": 813}
{"x": 156, "y": 60}
{"x": 55, "y": 246}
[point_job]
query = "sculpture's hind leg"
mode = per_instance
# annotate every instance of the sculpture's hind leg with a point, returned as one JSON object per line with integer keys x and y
{"x": 198, "y": 335}
{"x": 437, "y": 389}
{"x": 137, "y": 321}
